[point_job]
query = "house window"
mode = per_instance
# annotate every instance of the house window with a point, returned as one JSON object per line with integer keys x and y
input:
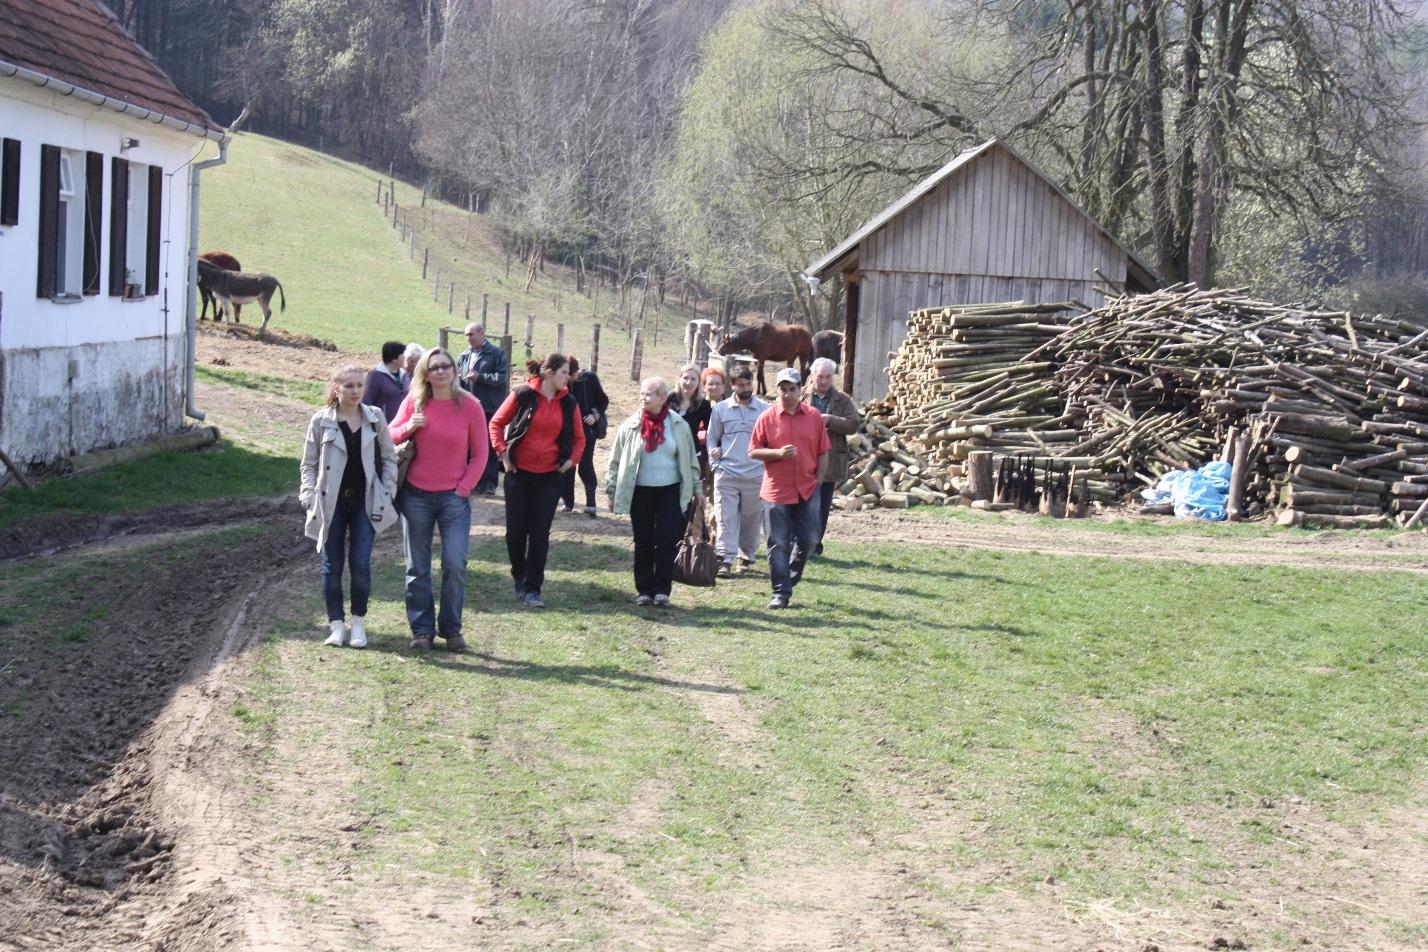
{"x": 68, "y": 249}
{"x": 71, "y": 195}
{"x": 136, "y": 243}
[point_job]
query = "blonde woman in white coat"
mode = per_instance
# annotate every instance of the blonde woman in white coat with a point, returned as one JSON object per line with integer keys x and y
{"x": 349, "y": 476}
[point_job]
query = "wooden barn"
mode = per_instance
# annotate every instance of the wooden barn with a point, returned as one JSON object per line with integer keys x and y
{"x": 987, "y": 226}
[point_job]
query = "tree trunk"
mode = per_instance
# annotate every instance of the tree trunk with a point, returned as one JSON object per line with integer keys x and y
{"x": 1162, "y": 228}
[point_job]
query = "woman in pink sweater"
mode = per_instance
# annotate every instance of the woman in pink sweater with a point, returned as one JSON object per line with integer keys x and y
{"x": 449, "y": 429}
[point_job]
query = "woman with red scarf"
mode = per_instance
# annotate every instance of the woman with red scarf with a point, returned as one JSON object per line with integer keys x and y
{"x": 653, "y": 475}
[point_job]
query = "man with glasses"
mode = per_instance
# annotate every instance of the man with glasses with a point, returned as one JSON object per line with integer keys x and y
{"x": 484, "y": 371}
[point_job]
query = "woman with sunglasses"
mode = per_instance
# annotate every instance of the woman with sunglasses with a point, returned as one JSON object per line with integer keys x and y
{"x": 449, "y": 429}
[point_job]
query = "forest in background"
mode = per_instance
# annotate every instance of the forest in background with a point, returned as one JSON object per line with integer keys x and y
{"x": 724, "y": 144}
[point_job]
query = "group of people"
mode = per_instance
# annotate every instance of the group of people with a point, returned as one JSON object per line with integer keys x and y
{"x": 410, "y": 441}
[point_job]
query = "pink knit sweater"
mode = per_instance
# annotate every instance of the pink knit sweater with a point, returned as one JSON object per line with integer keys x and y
{"x": 451, "y": 448}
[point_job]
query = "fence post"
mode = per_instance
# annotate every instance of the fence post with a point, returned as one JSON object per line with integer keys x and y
{"x": 560, "y": 337}
{"x": 530, "y": 334}
{"x": 637, "y": 353}
{"x": 484, "y": 296}
{"x": 395, "y": 206}
{"x": 425, "y": 256}
{"x": 594, "y": 348}
{"x": 506, "y": 327}
{"x": 450, "y": 297}
{"x": 506, "y": 346}
{"x": 379, "y": 191}
{"x": 468, "y": 307}
{"x": 411, "y": 244}
{"x": 442, "y": 336}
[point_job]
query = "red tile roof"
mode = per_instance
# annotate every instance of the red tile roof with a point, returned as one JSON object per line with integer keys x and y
{"x": 81, "y": 42}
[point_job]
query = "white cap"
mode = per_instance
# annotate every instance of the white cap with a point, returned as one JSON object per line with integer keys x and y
{"x": 790, "y": 374}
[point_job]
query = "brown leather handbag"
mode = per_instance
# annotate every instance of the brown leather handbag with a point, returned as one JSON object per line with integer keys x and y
{"x": 695, "y": 561}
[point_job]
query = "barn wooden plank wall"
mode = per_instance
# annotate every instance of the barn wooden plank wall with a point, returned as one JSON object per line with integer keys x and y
{"x": 992, "y": 231}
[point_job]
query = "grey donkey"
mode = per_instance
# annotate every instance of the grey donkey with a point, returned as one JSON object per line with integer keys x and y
{"x": 242, "y": 287}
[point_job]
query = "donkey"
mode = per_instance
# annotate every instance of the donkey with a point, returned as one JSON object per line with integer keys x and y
{"x": 224, "y": 260}
{"x": 787, "y": 342}
{"x": 242, "y": 287}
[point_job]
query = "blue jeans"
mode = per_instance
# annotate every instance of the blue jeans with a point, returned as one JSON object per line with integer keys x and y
{"x": 349, "y": 541}
{"x": 793, "y": 532}
{"x": 451, "y": 515}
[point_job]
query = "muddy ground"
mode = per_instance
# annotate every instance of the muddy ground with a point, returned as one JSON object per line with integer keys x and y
{"x": 118, "y": 830}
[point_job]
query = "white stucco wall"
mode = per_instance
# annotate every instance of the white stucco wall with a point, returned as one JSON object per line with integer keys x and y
{"x": 102, "y": 371}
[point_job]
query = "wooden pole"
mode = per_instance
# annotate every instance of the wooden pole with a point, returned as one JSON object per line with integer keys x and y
{"x": 560, "y": 337}
{"x": 1235, "y": 505}
{"x": 530, "y": 334}
{"x": 443, "y": 338}
{"x": 594, "y": 347}
{"x": 636, "y": 356}
{"x": 450, "y": 297}
{"x": 485, "y": 297}
{"x": 468, "y": 307}
{"x": 19, "y": 473}
{"x": 506, "y": 328}
{"x": 425, "y": 257}
{"x": 506, "y": 346}
{"x": 1422, "y": 509}
{"x": 379, "y": 191}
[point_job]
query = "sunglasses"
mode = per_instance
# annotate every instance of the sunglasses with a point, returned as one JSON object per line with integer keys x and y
{"x": 431, "y": 367}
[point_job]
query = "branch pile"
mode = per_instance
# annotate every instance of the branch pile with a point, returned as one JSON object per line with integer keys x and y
{"x": 1328, "y": 410}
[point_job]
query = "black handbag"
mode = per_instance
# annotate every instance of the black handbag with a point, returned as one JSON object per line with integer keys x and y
{"x": 695, "y": 561}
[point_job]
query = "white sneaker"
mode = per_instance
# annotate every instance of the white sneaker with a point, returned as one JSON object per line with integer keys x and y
{"x": 359, "y": 632}
{"x": 339, "y": 631}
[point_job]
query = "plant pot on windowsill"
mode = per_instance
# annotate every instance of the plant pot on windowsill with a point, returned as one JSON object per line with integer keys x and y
{"x": 133, "y": 292}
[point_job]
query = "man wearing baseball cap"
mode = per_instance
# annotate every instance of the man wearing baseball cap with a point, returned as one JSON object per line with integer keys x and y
{"x": 790, "y": 440}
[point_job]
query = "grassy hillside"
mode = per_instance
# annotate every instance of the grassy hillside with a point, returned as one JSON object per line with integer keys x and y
{"x": 312, "y": 221}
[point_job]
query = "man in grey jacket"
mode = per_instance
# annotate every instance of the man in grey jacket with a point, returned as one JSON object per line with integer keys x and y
{"x": 736, "y": 477}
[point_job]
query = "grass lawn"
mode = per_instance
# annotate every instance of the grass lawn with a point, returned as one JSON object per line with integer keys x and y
{"x": 988, "y": 721}
{"x": 311, "y": 220}
{"x": 166, "y": 479}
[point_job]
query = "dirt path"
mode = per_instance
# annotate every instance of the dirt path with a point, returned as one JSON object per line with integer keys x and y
{"x": 1015, "y": 532}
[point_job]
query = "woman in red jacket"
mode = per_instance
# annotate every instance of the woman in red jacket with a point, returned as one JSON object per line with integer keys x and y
{"x": 538, "y": 435}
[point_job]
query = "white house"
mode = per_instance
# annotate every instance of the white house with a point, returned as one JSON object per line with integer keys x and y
{"x": 99, "y": 148}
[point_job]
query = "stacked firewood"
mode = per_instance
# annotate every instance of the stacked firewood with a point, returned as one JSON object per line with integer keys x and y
{"x": 1323, "y": 414}
{"x": 1330, "y": 406}
{"x": 885, "y": 471}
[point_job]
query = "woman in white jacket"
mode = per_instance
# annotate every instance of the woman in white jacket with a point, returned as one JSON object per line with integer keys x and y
{"x": 349, "y": 476}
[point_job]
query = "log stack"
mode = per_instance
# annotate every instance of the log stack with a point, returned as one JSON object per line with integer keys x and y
{"x": 1324, "y": 414}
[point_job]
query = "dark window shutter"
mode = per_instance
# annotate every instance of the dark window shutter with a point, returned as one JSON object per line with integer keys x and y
{"x": 49, "y": 219}
{"x": 10, "y": 182}
{"x": 93, "y": 218}
{"x": 118, "y": 224}
{"x": 156, "y": 210}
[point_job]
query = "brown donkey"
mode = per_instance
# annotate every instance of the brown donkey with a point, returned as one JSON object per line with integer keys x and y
{"x": 224, "y": 260}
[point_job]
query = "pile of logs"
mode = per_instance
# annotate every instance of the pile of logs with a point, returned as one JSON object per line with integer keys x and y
{"x": 1323, "y": 414}
{"x": 885, "y": 471}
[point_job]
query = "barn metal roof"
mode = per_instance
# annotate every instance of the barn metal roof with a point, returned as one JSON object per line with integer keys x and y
{"x": 82, "y": 44}
{"x": 823, "y": 265}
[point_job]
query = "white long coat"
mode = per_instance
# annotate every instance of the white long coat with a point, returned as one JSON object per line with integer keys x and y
{"x": 324, "y": 457}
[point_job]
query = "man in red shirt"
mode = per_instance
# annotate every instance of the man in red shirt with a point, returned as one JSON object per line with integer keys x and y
{"x": 789, "y": 439}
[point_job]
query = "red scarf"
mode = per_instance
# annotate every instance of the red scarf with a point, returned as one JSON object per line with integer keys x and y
{"x": 652, "y": 428}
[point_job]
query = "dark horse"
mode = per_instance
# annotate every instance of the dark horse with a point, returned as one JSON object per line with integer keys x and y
{"x": 786, "y": 342}
{"x": 828, "y": 344}
{"x": 226, "y": 261}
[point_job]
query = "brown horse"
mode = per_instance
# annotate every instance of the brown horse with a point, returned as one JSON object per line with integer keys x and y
{"x": 786, "y": 342}
{"x": 229, "y": 263}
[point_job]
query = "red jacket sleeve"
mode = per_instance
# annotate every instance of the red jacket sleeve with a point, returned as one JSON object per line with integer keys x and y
{"x": 500, "y": 420}
{"x": 476, "y": 432}
{"x": 577, "y": 447}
